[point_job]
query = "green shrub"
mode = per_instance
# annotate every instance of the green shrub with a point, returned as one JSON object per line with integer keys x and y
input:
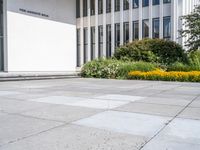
{"x": 113, "y": 69}
{"x": 194, "y": 59}
{"x": 177, "y": 66}
{"x": 152, "y": 50}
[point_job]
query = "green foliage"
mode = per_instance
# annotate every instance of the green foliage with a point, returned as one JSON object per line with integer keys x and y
{"x": 194, "y": 60}
{"x": 192, "y": 29}
{"x": 113, "y": 69}
{"x": 152, "y": 50}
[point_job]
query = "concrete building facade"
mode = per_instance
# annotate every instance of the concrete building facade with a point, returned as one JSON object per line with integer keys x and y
{"x": 61, "y": 35}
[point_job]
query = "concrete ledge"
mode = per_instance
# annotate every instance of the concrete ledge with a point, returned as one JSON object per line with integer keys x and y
{"x": 16, "y": 76}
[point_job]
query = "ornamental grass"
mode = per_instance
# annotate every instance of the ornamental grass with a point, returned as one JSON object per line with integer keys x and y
{"x": 193, "y": 76}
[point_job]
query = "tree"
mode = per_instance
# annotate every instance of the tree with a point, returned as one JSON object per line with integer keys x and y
{"x": 192, "y": 29}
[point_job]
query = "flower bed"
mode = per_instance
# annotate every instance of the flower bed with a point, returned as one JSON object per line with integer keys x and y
{"x": 193, "y": 76}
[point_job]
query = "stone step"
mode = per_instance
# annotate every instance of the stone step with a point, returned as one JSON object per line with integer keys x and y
{"x": 18, "y": 76}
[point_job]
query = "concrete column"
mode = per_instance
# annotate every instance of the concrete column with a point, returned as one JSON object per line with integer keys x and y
{"x": 161, "y": 20}
{"x": 140, "y": 19}
{"x": 81, "y": 34}
{"x": 96, "y": 29}
{"x": 104, "y": 28}
{"x": 121, "y": 23}
{"x": 130, "y": 20}
{"x": 89, "y": 31}
{"x": 113, "y": 26}
{"x": 150, "y": 19}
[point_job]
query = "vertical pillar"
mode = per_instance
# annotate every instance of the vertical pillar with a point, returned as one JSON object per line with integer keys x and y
{"x": 112, "y": 26}
{"x": 104, "y": 28}
{"x": 89, "y": 31}
{"x": 81, "y": 34}
{"x": 130, "y": 20}
{"x": 140, "y": 19}
{"x": 161, "y": 19}
{"x": 150, "y": 19}
{"x": 96, "y": 29}
{"x": 121, "y": 22}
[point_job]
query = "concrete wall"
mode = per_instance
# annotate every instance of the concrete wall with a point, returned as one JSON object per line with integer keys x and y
{"x": 41, "y": 35}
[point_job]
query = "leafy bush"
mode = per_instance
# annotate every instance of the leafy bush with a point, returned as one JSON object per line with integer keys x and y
{"x": 194, "y": 60}
{"x": 152, "y": 50}
{"x": 115, "y": 69}
{"x": 193, "y": 76}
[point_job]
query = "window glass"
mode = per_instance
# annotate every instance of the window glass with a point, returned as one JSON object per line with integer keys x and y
{"x": 126, "y": 4}
{"x": 166, "y": 27}
{"x": 166, "y": 1}
{"x": 117, "y": 5}
{"x": 108, "y": 6}
{"x": 145, "y": 3}
{"x": 85, "y": 36}
{"x": 126, "y": 32}
{"x": 145, "y": 28}
{"x": 156, "y": 2}
{"x": 78, "y": 48}
{"x": 84, "y": 8}
{"x": 100, "y": 53}
{"x": 92, "y": 43}
{"x": 135, "y": 30}
{"x": 92, "y": 7}
{"x": 108, "y": 41}
{"x": 77, "y": 8}
{"x": 100, "y": 6}
{"x": 156, "y": 27}
{"x": 117, "y": 35}
{"x": 135, "y": 3}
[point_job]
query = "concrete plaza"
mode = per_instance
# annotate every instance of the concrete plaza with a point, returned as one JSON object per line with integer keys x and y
{"x": 97, "y": 114}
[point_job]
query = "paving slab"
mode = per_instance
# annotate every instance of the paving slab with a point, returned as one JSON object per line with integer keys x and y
{"x": 120, "y": 97}
{"x": 128, "y": 123}
{"x": 16, "y": 106}
{"x": 15, "y": 127}
{"x": 153, "y": 109}
{"x": 181, "y": 134}
{"x": 82, "y": 102}
{"x": 74, "y": 137}
{"x": 195, "y": 103}
{"x": 65, "y": 114}
{"x": 190, "y": 113}
{"x": 6, "y": 93}
{"x": 165, "y": 101}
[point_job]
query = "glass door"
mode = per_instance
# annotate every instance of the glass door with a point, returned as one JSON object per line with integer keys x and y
{"x": 1, "y": 36}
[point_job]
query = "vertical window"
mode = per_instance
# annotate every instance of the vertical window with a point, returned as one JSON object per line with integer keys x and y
{"x": 156, "y": 2}
{"x": 100, "y": 6}
{"x": 135, "y": 3}
{"x": 126, "y": 4}
{"x": 108, "y": 6}
{"x": 77, "y": 8}
{"x": 100, "y": 53}
{"x": 92, "y": 7}
{"x": 117, "y": 34}
{"x": 145, "y": 3}
{"x": 126, "y": 32}
{"x": 85, "y": 35}
{"x": 92, "y": 43}
{"x": 156, "y": 27}
{"x": 167, "y": 27}
{"x": 117, "y": 5}
{"x": 85, "y": 8}
{"x": 1, "y": 36}
{"x": 108, "y": 41}
{"x": 145, "y": 28}
{"x": 135, "y": 30}
{"x": 78, "y": 48}
{"x": 166, "y": 1}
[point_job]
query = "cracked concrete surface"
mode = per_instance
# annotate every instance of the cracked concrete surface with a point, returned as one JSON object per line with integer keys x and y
{"x": 97, "y": 114}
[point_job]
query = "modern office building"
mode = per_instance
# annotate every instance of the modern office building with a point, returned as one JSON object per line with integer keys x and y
{"x": 61, "y": 35}
{"x": 102, "y": 25}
